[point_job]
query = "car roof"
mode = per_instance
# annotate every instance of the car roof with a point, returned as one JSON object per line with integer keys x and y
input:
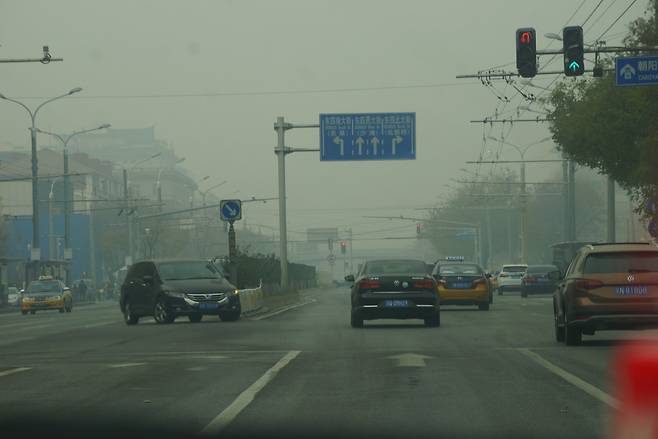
{"x": 622, "y": 247}
{"x": 515, "y": 265}
{"x": 168, "y": 260}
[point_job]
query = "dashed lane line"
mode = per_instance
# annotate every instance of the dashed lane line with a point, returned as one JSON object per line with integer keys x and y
{"x": 284, "y": 309}
{"x": 5, "y": 373}
{"x": 222, "y": 420}
{"x": 122, "y": 365}
{"x": 571, "y": 378}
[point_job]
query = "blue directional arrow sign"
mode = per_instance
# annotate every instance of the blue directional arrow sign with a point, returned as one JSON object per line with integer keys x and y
{"x": 230, "y": 210}
{"x": 367, "y": 136}
{"x": 636, "y": 70}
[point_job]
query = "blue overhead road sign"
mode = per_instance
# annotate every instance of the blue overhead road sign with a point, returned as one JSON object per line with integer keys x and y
{"x": 230, "y": 210}
{"x": 367, "y": 136}
{"x": 637, "y": 70}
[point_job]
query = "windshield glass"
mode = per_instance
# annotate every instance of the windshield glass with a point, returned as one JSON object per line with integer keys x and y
{"x": 467, "y": 269}
{"x": 514, "y": 269}
{"x": 38, "y": 287}
{"x": 188, "y": 270}
{"x": 541, "y": 269}
{"x": 396, "y": 267}
{"x": 621, "y": 262}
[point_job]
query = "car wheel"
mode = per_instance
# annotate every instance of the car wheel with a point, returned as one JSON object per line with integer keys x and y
{"x": 230, "y": 316}
{"x": 490, "y": 298}
{"x": 524, "y": 293}
{"x": 195, "y": 318}
{"x": 356, "y": 320}
{"x": 161, "y": 313}
{"x": 573, "y": 336}
{"x": 33, "y": 312}
{"x": 483, "y": 306}
{"x": 24, "y": 313}
{"x": 434, "y": 321}
{"x": 559, "y": 329}
{"x": 69, "y": 308}
{"x": 128, "y": 316}
{"x": 500, "y": 291}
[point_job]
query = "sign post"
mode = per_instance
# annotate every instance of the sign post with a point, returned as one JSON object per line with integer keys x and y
{"x": 231, "y": 211}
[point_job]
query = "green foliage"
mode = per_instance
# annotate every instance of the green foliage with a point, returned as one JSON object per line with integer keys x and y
{"x": 612, "y": 129}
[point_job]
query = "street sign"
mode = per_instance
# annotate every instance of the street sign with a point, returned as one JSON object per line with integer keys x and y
{"x": 637, "y": 70}
{"x": 367, "y": 136}
{"x": 230, "y": 210}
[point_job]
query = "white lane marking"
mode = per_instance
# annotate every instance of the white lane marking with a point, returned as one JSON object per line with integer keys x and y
{"x": 15, "y": 340}
{"x": 284, "y": 309}
{"x": 223, "y": 419}
{"x": 571, "y": 378}
{"x": 96, "y": 325}
{"x": 26, "y": 326}
{"x": 117, "y": 366}
{"x": 410, "y": 360}
{"x": 5, "y": 373}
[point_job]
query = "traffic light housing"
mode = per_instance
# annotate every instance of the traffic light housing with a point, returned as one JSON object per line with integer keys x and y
{"x": 419, "y": 229}
{"x": 526, "y": 52}
{"x": 343, "y": 247}
{"x": 574, "y": 51}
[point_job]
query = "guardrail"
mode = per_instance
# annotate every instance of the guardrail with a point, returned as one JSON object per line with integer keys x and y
{"x": 251, "y": 300}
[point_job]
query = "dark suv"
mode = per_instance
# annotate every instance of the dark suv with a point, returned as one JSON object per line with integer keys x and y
{"x": 166, "y": 289}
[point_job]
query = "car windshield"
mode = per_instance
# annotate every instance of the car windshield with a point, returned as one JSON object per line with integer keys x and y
{"x": 541, "y": 269}
{"x": 396, "y": 267}
{"x": 514, "y": 269}
{"x": 38, "y": 287}
{"x": 467, "y": 269}
{"x": 188, "y": 270}
{"x": 621, "y": 262}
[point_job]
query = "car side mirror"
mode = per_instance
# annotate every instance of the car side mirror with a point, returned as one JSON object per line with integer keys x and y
{"x": 349, "y": 278}
{"x": 148, "y": 279}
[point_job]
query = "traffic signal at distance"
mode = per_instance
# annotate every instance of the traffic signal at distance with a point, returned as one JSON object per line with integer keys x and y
{"x": 574, "y": 51}
{"x": 343, "y": 247}
{"x": 526, "y": 52}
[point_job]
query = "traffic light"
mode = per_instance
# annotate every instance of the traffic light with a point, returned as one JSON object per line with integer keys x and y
{"x": 419, "y": 229}
{"x": 343, "y": 247}
{"x": 574, "y": 51}
{"x": 526, "y": 52}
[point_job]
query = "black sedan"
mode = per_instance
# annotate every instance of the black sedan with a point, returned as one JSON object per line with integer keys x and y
{"x": 394, "y": 289}
{"x": 539, "y": 279}
{"x": 166, "y": 289}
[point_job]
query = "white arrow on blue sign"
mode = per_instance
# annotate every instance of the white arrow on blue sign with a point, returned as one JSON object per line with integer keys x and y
{"x": 230, "y": 210}
{"x": 367, "y": 136}
{"x": 636, "y": 70}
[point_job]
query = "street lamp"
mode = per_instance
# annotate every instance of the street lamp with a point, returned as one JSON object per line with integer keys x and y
{"x": 67, "y": 208}
{"x": 205, "y": 192}
{"x": 158, "y": 185}
{"x": 195, "y": 187}
{"x": 51, "y": 237}
{"x": 524, "y": 210}
{"x": 553, "y": 36}
{"x": 35, "y": 249}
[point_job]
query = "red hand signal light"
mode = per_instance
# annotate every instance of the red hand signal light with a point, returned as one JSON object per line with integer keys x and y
{"x": 526, "y": 38}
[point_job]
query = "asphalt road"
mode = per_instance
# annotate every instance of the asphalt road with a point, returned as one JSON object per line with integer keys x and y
{"x": 306, "y": 371}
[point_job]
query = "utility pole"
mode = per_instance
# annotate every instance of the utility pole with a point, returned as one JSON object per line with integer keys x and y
{"x": 126, "y": 197}
{"x": 351, "y": 252}
{"x": 572, "y": 201}
{"x": 92, "y": 233}
{"x": 524, "y": 216}
{"x": 280, "y": 152}
{"x": 68, "y": 253}
{"x": 611, "y": 210}
{"x": 565, "y": 204}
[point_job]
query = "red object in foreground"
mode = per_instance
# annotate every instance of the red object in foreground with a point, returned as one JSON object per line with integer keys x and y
{"x": 636, "y": 388}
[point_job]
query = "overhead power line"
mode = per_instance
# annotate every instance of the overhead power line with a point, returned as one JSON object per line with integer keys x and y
{"x": 592, "y": 13}
{"x": 617, "y": 20}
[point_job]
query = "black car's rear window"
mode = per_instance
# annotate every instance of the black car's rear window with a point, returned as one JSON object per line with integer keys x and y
{"x": 621, "y": 262}
{"x": 514, "y": 268}
{"x": 397, "y": 267}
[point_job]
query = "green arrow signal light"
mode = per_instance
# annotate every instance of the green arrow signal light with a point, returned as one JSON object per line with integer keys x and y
{"x": 574, "y": 66}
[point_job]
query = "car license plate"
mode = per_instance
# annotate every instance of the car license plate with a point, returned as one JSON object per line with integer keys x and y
{"x": 396, "y": 303}
{"x": 208, "y": 306}
{"x": 632, "y": 291}
{"x": 460, "y": 285}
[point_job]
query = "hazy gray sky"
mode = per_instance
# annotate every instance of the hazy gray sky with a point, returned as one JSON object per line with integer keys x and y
{"x": 126, "y": 47}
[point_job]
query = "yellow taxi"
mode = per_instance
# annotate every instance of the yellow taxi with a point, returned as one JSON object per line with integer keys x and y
{"x": 462, "y": 283}
{"x": 44, "y": 294}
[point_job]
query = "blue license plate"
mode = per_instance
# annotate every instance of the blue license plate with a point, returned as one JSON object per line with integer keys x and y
{"x": 208, "y": 306}
{"x": 631, "y": 291}
{"x": 460, "y": 285}
{"x": 396, "y": 303}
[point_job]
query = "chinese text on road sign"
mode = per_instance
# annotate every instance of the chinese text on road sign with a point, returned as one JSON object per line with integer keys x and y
{"x": 373, "y": 136}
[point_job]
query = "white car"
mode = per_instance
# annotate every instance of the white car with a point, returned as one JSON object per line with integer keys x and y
{"x": 509, "y": 278}
{"x": 13, "y": 296}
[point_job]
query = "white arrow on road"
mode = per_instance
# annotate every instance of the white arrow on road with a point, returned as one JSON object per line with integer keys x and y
{"x": 395, "y": 142}
{"x": 375, "y": 143}
{"x": 359, "y": 143}
{"x": 410, "y": 360}
{"x": 339, "y": 141}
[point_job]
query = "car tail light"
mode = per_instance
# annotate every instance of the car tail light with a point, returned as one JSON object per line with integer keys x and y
{"x": 588, "y": 284}
{"x": 425, "y": 284}
{"x": 369, "y": 284}
{"x": 441, "y": 282}
{"x": 530, "y": 279}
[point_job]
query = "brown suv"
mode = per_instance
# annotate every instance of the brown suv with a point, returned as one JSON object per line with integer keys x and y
{"x": 607, "y": 287}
